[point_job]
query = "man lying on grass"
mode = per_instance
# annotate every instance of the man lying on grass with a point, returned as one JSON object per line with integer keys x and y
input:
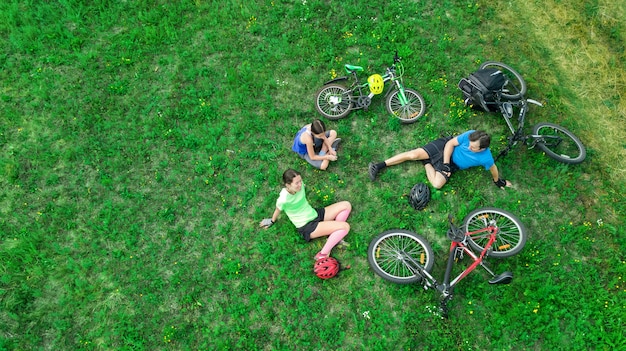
{"x": 444, "y": 156}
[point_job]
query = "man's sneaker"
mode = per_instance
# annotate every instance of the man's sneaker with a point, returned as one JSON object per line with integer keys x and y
{"x": 373, "y": 171}
{"x": 335, "y": 143}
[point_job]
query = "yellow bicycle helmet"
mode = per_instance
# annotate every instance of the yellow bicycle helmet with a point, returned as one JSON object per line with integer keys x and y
{"x": 376, "y": 83}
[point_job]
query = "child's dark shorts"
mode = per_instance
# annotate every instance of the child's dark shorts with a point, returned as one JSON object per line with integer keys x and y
{"x": 318, "y": 143}
{"x": 310, "y": 227}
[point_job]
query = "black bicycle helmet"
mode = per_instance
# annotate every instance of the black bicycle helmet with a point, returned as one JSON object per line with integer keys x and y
{"x": 419, "y": 196}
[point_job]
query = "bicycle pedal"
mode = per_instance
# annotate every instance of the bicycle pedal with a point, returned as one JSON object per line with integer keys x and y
{"x": 503, "y": 278}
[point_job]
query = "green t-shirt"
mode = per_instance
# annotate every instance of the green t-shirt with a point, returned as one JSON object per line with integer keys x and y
{"x": 296, "y": 207}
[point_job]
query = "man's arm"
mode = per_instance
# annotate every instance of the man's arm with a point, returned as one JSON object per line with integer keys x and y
{"x": 495, "y": 174}
{"x": 448, "y": 149}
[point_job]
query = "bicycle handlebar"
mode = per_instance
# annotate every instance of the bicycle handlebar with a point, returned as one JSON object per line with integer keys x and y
{"x": 450, "y": 219}
{"x": 396, "y": 58}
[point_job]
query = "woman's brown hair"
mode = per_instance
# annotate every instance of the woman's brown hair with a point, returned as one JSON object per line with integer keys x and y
{"x": 289, "y": 175}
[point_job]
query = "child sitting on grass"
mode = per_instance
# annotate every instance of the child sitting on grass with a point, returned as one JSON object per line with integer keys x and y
{"x": 316, "y": 145}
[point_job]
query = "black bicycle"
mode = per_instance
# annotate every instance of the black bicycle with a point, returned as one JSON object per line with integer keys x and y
{"x": 498, "y": 87}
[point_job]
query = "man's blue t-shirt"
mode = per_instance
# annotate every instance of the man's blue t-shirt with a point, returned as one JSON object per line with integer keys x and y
{"x": 464, "y": 158}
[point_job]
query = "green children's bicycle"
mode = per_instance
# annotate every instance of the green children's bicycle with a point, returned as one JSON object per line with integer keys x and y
{"x": 339, "y": 96}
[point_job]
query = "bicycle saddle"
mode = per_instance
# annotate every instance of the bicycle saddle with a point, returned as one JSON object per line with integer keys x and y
{"x": 503, "y": 278}
{"x": 455, "y": 234}
{"x": 352, "y": 68}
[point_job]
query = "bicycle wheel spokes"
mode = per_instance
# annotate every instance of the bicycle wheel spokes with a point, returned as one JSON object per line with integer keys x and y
{"x": 507, "y": 236}
{"x": 333, "y": 101}
{"x": 511, "y": 235}
{"x": 515, "y": 87}
{"x": 408, "y": 109}
{"x": 559, "y": 143}
{"x": 391, "y": 254}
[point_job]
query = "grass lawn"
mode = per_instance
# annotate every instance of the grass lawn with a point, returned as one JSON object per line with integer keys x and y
{"x": 141, "y": 142}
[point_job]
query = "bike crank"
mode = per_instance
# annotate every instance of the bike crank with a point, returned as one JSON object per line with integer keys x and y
{"x": 363, "y": 102}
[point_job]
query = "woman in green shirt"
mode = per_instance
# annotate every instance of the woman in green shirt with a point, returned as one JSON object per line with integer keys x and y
{"x": 311, "y": 223}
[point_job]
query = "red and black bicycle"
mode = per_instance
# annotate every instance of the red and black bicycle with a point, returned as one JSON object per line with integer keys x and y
{"x": 404, "y": 257}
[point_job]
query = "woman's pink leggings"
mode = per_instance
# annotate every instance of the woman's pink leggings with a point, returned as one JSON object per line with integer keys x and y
{"x": 335, "y": 237}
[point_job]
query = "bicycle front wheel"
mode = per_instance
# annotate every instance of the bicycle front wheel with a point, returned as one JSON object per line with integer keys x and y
{"x": 515, "y": 87}
{"x": 393, "y": 254}
{"x": 409, "y": 110}
{"x": 511, "y": 236}
{"x": 333, "y": 101}
{"x": 559, "y": 143}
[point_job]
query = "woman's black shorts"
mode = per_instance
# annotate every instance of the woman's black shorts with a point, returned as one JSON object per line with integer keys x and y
{"x": 310, "y": 227}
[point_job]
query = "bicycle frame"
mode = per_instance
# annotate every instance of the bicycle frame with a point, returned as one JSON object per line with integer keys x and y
{"x": 457, "y": 249}
{"x": 517, "y": 134}
{"x": 339, "y": 96}
{"x": 356, "y": 93}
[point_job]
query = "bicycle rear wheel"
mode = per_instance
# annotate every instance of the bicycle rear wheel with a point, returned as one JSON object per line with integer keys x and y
{"x": 511, "y": 236}
{"x": 515, "y": 88}
{"x": 391, "y": 255}
{"x": 333, "y": 101}
{"x": 559, "y": 143}
{"x": 408, "y": 112}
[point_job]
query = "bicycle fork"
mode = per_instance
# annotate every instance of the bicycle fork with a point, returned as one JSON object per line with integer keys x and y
{"x": 417, "y": 269}
{"x": 401, "y": 95}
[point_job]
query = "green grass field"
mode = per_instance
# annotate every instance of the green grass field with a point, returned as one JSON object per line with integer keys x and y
{"x": 141, "y": 142}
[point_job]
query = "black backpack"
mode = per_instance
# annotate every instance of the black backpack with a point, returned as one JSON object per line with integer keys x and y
{"x": 482, "y": 86}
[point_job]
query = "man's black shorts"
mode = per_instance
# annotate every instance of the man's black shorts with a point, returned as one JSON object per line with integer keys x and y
{"x": 434, "y": 149}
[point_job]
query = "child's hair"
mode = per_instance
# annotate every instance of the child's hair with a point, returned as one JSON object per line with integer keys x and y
{"x": 289, "y": 175}
{"x": 318, "y": 127}
{"x": 484, "y": 139}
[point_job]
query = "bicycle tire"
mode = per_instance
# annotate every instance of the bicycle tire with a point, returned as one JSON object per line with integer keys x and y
{"x": 569, "y": 149}
{"x": 410, "y": 112}
{"x": 333, "y": 101}
{"x": 511, "y": 236}
{"x": 385, "y": 255}
{"x": 515, "y": 88}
